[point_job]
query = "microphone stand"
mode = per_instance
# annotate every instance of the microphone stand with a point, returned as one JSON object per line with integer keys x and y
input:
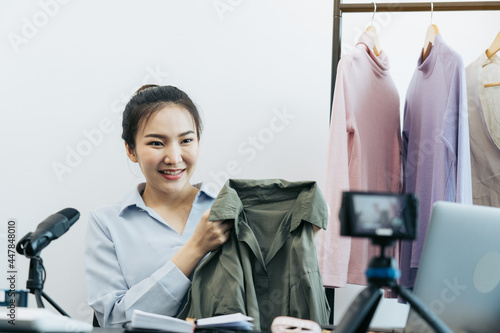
{"x": 36, "y": 278}
{"x": 383, "y": 272}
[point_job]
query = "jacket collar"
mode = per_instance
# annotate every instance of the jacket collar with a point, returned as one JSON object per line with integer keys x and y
{"x": 310, "y": 205}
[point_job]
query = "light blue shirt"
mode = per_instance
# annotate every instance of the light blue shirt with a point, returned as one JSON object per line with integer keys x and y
{"x": 127, "y": 258}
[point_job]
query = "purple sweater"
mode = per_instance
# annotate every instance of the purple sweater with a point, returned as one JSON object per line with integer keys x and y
{"x": 436, "y": 156}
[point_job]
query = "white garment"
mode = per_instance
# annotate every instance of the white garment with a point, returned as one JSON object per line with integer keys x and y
{"x": 484, "y": 129}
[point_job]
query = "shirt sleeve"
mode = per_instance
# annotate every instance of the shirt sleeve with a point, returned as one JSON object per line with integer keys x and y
{"x": 108, "y": 292}
{"x": 333, "y": 249}
{"x": 463, "y": 179}
{"x": 456, "y": 134}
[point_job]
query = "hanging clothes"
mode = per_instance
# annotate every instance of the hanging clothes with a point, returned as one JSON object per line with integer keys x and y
{"x": 484, "y": 129}
{"x": 363, "y": 155}
{"x": 269, "y": 266}
{"x": 436, "y": 152}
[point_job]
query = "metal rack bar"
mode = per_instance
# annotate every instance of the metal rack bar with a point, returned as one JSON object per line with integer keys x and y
{"x": 339, "y": 8}
{"x": 336, "y": 42}
{"x": 420, "y": 6}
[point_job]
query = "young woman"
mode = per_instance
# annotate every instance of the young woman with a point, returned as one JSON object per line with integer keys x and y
{"x": 141, "y": 251}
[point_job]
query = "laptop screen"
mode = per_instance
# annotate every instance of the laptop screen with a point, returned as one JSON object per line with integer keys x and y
{"x": 459, "y": 273}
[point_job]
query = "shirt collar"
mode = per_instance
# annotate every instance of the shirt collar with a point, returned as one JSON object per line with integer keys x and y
{"x": 205, "y": 190}
{"x": 134, "y": 197}
{"x": 427, "y": 66}
{"x": 310, "y": 205}
{"x": 379, "y": 63}
{"x": 486, "y": 61}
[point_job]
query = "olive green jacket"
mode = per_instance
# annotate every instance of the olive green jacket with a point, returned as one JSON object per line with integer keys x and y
{"x": 268, "y": 267}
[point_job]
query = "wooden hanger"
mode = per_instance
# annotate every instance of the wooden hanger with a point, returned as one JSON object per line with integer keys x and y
{"x": 432, "y": 31}
{"x": 373, "y": 32}
{"x": 494, "y": 48}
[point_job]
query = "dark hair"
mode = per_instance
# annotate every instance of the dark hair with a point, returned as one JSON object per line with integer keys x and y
{"x": 148, "y": 100}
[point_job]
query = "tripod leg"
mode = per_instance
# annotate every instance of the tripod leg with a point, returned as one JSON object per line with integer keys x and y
{"x": 38, "y": 298}
{"x": 360, "y": 312}
{"x": 434, "y": 321}
{"x": 57, "y": 307}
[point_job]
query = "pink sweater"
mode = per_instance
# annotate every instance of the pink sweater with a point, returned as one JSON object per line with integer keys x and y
{"x": 364, "y": 154}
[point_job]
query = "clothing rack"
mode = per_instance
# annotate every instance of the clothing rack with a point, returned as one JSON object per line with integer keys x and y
{"x": 370, "y": 7}
{"x": 339, "y": 8}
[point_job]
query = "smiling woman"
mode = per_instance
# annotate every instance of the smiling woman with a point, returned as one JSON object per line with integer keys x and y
{"x": 141, "y": 251}
{"x": 166, "y": 148}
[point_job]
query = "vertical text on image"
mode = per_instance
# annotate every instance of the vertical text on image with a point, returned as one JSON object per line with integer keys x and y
{"x": 11, "y": 270}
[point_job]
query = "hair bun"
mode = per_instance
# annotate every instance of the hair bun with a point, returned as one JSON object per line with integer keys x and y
{"x": 144, "y": 87}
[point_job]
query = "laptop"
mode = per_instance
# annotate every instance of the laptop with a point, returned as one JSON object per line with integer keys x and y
{"x": 459, "y": 273}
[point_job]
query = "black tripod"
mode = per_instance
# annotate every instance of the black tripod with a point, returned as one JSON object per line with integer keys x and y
{"x": 36, "y": 277}
{"x": 383, "y": 272}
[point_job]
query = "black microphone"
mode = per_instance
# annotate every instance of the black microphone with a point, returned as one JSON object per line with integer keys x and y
{"x": 51, "y": 228}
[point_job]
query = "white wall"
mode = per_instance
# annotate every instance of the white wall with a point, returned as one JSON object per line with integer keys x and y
{"x": 69, "y": 67}
{"x": 257, "y": 69}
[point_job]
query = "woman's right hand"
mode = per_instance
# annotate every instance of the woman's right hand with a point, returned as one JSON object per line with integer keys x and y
{"x": 207, "y": 236}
